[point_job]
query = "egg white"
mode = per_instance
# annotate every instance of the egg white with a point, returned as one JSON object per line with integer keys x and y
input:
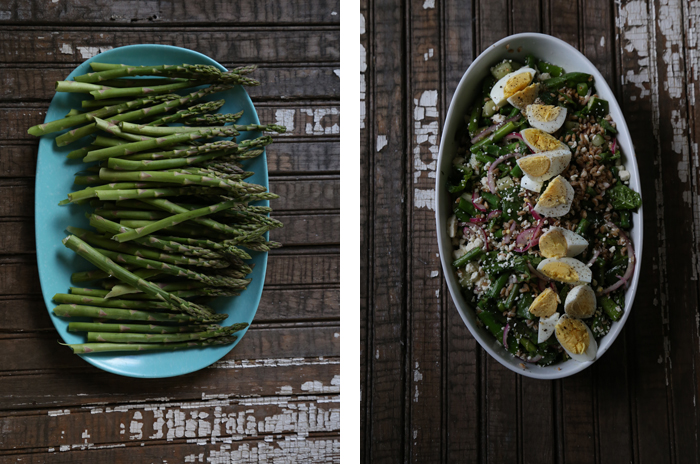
{"x": 575, "y": 244}
{"x": 546, "y": 327}
{"x": 534, "y": 118}
{"x": 497, "y": 92}
{"x": 559, "y": 210}
{"x": 591, "y": 351}
{"x": 584, "y": 295}
{"x": 529, "y": 184}
{"x": 584, "y": 272}
{"x": 558, "y": 161}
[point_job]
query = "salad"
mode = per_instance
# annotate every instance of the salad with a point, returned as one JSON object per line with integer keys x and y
{"x": 541, "y": 210}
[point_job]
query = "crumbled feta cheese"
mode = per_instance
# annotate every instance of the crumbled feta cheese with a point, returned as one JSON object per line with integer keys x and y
{"x": 498, "y": 118}
{"x": 624, "y": 175}
{"x": 474, "y": 163}
{"x": 544, "y": 76}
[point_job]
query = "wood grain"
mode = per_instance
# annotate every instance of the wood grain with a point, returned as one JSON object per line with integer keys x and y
{"x": 148, "y": 14}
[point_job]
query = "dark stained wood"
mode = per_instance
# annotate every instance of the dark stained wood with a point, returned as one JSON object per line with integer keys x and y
{"x": 387, "y": 434}
{"x": 149, "y": 14}
{"x": 638, "y": 403}
{"x": 275, "y": 397}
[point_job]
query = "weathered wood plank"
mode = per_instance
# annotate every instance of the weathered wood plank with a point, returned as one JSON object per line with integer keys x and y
{"x": 149, "y": 13}
{"x": 500, "y": 413}
{"x": 579, "y": 418}
{"x": 296, "y": 193}
{"x": 461, "y": 368}
{"x": 284, "y": 156}
{"x": 160, "y": 422}
{"x": 284, "y": 449}
{"x": 19, "y": 84}
{"x": 426, "y": 322}
{"x": 387, "y": 396}
{"x": 366, "y": 268}
{"x": 225, "y": 379}
{"x": 492, "y": 24}
{"x": 648, "y": 377}
{"x": 537, "y": 420}
{"x": 562, "y": 20}
{"x": 245, "y": 45}
{"x": 18, "y": 274}
{"x": 38, "y": 352}
{"x": 301, "y": 120}
{"x": 598, "y": 41}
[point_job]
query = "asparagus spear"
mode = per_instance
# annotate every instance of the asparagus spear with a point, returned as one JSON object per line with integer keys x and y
{"x": 213, "y": 119}
{"x": 176, "y": 178}
{"x": 128, "y": 337}
{"x": 147, "y": 305}
{"x": 109, "y": 266}
{"x": 207, "y": 107}
{"x": 74, "y": 310}
{"x": 153, "y": 131}
{"x": 135, "y": 328}
{"x": 83, "y": 348}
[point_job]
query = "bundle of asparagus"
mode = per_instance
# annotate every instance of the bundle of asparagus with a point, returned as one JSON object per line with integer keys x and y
{"x": 172, "y": 216}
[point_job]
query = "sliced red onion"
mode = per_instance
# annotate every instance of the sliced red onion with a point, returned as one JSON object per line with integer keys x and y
{"x": 532, "y": 360}
{"x": 541, "y": 284}
{"x": 513, "y": 135}
{"x": 494, "y": 213}
{"x": 613, "y": 145}
{"x": 596, "y": 253}
{"x": 532, "y": 240}
{"x": 477, "y": 205}
{"x": 492, "y": 183}
{"x": 506, "y": 329}
{"x": 630, "y": 267}
{"x": 506, "y": 240}
{"x": 512, "y": 226}
{"x": 490, "y": 129}
{"x": 480, "y": 231}
{"x": 477, "y": 220}
{"x": 525, "y": 236}
{"x": 533, "y": 212}
{"x": 554, "y": 288}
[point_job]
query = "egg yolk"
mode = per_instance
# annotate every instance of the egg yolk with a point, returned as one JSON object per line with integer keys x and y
{"x": 553, "y": 244}
{"x": 560, "y": 272}
{"x": 516, "y": 83}
{"x": 545, "y": 113}
{"x": 554, "y": 194}
{"x": 523, "y": 98}
{"x": 545, "y": 304}
{"x": 535, "y": 166}
{"x": 541, "y": 140}
{"x": 572, "y": 335}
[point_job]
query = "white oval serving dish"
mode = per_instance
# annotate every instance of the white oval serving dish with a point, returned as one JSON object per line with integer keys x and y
{"x": 560, "y": 53}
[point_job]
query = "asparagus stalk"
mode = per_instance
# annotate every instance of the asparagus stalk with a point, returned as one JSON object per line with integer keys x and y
{"x": 174, "y": 220}
{"x": 109, "y": 266}
{"x": 135, "y": 328}
{"x": 213, "y": 119}
{"x": 228, "y": 146}
{"x": 128, "y": 337}
{"x": 177, "y": 178}
{"x": 84, "y": 348}
{"x": 207, "y": 107}
{"x": 129, "y": 148}
{"x": 97, "y": 274}
{"x": 187, "y": 71}
{"x": 153, "y": 131}
{"x": 116, "y": 314}
{"x": 147, "y": 305}
{"x": 112, "y": 92}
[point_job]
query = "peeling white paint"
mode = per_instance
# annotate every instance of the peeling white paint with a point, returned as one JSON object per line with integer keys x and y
{"x": 424, "y": 198}
{"x": 363, "y": 85}
{"x": 285, "y": 118}
{"x": 317, "y": 128}
{"x": 89, "y": 52}
{"x": 66, "y": 49}
{"x": 59, "y": 412}
{"x": 381, "y": 142}
{"x": 428, "y": 54}
{"x": 434, "y": 273}
{"x": 336, "y": 72}
{"x": 602, "y": 41}
{"x": 362, "y": 24}
{"x": 428, "y": 4}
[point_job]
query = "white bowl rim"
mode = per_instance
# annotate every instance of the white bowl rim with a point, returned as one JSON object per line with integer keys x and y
{"x": 485, "y": 339}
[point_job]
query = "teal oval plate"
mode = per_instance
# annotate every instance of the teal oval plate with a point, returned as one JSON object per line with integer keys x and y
{"x": 54, "y": 174}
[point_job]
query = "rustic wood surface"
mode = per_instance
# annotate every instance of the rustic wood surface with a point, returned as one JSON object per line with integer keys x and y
{"x": 275, "y": 397}
{"x": 429, "y": 392}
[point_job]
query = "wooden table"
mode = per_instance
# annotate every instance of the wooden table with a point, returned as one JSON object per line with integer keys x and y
{"x": 275, "y": 397}
{"x": 429, "y": 392}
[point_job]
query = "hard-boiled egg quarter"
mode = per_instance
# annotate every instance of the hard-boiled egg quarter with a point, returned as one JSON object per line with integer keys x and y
{"x": 546, "y": 327}
{"x": 510, "y": 84}
{"x": 556, "y": 199}
{"x": 558, "y": 242}
{"x": 547, "y": 118}
{"x": 539, "y": 140}
{"x": 545, "y": 165}
{"x": 580, "y": 302}
{"x": 529, "y": 184}
{"x": 566, "y": 270}
{"x": 576, "y": 338}
{"x": 525, "y": 97}
{"x": 545, "y": 304}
